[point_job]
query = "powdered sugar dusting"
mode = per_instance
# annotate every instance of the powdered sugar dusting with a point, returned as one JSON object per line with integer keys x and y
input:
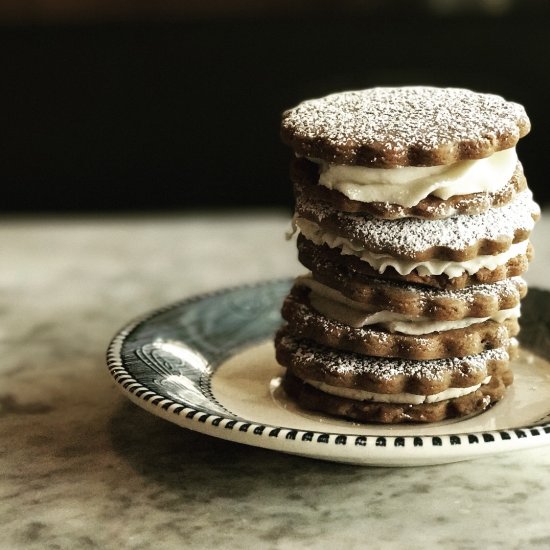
{"x": 409, "y": 236}
{"x": 391, "y": 123}
{"x": 383, "y": 368}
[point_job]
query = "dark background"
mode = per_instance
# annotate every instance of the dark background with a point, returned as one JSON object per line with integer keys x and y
{"x": 129, "y": 107}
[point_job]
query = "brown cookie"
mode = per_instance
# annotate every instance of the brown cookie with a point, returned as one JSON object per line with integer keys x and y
{"x": 312, "y": 256}
{"x": 409, "y": 126}
{"x": 305, "y": 175}
{"x": 310, "y": 361}
{"x": 311, "y": 398}
{"x": 482, "y": 300}
{"x": 304, "y": 322}
{"x": 457, "y": 239}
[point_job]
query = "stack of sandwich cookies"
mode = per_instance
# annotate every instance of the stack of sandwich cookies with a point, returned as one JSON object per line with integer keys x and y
{"x": 414, "y": 218}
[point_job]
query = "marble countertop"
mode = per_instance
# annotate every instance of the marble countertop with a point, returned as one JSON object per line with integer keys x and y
{"x": 81, "y": 467}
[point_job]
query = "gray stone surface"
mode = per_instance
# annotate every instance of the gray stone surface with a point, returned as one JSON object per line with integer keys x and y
{"x": 81, "y": 467}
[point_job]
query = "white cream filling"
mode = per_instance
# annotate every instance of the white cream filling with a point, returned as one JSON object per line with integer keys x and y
{"x": 408, "y": 185}
{"x": 380, "y": 262}
{"x": 334, "y": 305}
{"x": 407, "y": 398}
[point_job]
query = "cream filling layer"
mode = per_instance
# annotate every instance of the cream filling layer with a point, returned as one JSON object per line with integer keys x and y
{"x": 380, "y": 262}
{"x": 408, "y": 185}
{"x": 406, "y": 398}
{"x": 334, "y": 305}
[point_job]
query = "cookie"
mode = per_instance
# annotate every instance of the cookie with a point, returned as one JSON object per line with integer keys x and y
{"x": 414, "y": 240}
{"x": 305, "y": 322}
{"x": 321, "y": 365}
{"x": 305, "y": 176}
{"x": 408, "y": 126}
{"x": 312, "y": 256}
{"x": 311, "y": 398}
{"x": 335, "y": 306}
{"x": 376, "y": 295}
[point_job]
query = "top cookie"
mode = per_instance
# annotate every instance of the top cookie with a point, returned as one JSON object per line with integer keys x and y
{"x": 409, "y": 126}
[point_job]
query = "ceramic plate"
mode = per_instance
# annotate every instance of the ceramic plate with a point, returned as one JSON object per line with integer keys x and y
{"x": 208, "y": 364}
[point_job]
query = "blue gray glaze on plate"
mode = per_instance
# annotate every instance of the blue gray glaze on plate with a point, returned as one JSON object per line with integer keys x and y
{"x": 171, "y": 361}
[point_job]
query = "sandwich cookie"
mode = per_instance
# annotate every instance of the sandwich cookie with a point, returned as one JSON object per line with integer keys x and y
{"x": 386, "y": 390}
{"x": 414, "y": 219}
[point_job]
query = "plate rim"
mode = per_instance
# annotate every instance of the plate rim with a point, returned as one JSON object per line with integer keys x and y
{"x": 366, "y": 449}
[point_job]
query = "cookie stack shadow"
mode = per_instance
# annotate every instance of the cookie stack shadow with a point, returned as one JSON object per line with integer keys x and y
{"x": 414, "y": 217}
